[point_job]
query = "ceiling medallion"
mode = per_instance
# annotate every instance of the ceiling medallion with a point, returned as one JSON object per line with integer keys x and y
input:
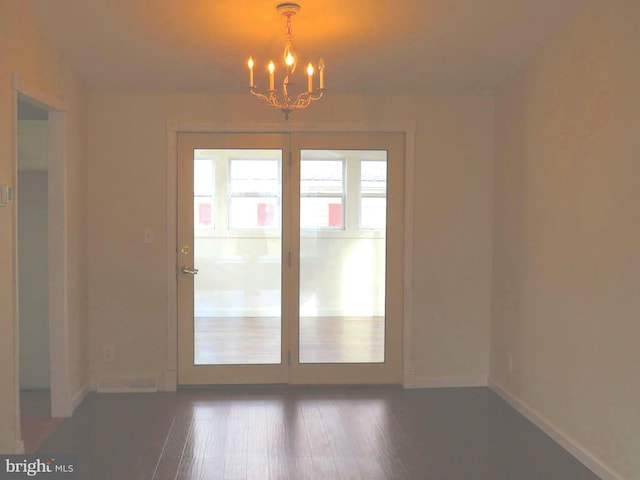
{"x": 287, "y": 101}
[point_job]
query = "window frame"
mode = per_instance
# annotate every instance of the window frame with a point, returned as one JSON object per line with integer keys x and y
{"x": 362, "y": 195}
{"x": 212, "y": 196}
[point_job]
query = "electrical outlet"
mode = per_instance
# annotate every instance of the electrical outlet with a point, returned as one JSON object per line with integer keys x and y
{"x": 109, "y": 352}
{"x": 509, "y": 363}
{"x": 148, "y": 235}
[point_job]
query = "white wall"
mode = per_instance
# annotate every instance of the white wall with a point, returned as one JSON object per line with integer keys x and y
{"x": 566, "y": 233}
{"x": 27, "y": 51}
{"x": 452, "y": 219}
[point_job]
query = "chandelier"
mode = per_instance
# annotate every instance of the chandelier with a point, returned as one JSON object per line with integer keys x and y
{"x": 287, "y": 101}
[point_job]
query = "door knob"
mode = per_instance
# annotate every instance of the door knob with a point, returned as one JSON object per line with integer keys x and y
{"x": 186, "y": 269}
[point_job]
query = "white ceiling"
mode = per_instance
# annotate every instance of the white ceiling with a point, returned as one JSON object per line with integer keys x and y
{"x": 369, "y": 46}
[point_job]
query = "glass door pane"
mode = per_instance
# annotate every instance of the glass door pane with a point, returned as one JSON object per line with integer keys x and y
{"x": 237, "y": 244}
{"x": 342, "y": 276}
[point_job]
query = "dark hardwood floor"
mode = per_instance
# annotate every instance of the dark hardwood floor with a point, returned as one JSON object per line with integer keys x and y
{"x": 286, "y": 432}
{"x": 35, "y": 418}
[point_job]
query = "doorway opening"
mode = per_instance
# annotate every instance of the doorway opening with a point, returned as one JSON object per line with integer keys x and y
{"x": 33, "y": 274}
{"x": 41, "y": 388}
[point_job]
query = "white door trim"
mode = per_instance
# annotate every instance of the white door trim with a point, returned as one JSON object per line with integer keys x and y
{"x": 61, "y": 401}
{"x": 176, "y": 127}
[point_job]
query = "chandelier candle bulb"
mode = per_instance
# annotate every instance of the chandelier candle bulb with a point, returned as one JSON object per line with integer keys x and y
{"x": 321, "y": 70}
{"x": 272, "y": 68}
{"x": 250, "y": 63}
{"x": 289, "y": 62}
{"x": 310, "y": 73}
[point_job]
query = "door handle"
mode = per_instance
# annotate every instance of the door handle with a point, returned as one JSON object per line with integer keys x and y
{"x": 187, "y": 270}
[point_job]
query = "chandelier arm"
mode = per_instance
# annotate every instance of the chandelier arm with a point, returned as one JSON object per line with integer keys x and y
{"x": 270, "y": 99}
{"x": 303, "y": 100}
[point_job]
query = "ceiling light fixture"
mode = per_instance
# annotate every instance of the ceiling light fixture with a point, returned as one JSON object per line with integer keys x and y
{"x": 287, "y": 102}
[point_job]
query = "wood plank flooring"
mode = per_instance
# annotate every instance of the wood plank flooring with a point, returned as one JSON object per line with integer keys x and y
{"x": 256, "y": 340}
{"x": 35, "y": 418}
{"x": 287, "y": 432}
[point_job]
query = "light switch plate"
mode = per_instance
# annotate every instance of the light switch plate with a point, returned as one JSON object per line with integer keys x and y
{"x": 6, "y": 195}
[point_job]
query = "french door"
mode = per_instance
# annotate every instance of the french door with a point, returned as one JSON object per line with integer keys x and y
{"x": 290, "y": 261}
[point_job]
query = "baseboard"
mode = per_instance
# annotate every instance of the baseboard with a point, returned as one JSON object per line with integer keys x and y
{"x": 170, "y": 381}
{"x": 131, "y": 383}
{"x": 569, "y": 444}
{"x": 449, "y": 382}
{"x": 19, "y": 449}
{"x": 409, "y": 380}
{"x": 80, "y": 395}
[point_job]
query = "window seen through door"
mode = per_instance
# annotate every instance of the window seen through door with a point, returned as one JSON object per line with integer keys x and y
{"x": 204, "y": 194}
{"x": 321, "y": 193}
{"x": 254, "y": 194}
{"x": 244, "y": 193}
{"x": 373, "y": 194}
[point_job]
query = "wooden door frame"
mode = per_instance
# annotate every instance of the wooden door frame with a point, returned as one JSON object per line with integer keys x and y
{"x": 174, "y": 128}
